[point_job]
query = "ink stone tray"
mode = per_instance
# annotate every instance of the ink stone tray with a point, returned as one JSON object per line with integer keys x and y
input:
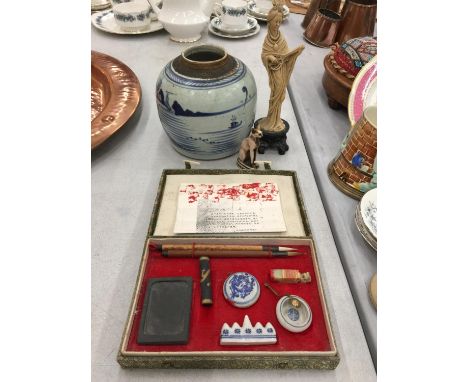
{"x": 313, "y": 348}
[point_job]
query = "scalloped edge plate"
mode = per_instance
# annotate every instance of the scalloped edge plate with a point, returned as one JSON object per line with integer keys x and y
{"x": 105, "y": 21}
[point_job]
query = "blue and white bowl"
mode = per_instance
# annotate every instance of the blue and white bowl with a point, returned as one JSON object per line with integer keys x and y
{"x": 241, "y": 289}
{"x": 206, "y": 102}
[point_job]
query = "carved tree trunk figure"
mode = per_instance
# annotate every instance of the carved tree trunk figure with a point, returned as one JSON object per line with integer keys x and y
{"x": 279, "y": 63}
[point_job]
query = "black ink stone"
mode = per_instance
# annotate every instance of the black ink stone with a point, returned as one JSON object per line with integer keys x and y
{"x": 166, "y": 311}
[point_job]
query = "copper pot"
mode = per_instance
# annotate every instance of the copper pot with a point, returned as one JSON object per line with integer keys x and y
{"x": 332, "y": 5}
{"x": 322, "y": 28}
{"x": 359, "y": 17}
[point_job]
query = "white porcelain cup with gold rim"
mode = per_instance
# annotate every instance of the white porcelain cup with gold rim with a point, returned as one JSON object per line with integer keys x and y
{"x": 233, "y": 13}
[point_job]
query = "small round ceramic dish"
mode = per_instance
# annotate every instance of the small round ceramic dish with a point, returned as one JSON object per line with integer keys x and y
{"x": 363, "y": 230}
{"x": 254, "y": 12}
{"x": 293, "y": 313}
{"x": 217, "y": 23}
{"x": 368, "y": 209}
{"x": 105, "y": 21}
{"x": 363, "y": 92}
{"x": 241, "y": 289}
{"x": 219, "y": 33}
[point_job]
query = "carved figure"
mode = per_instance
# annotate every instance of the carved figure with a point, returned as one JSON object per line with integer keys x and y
{"x": 248, "y": 148}
{"x": 279, "y": 63}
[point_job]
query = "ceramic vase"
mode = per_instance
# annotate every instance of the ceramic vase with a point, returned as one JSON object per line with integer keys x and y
{"x": 354, "y": 169}
{"x": 206, "y": 101}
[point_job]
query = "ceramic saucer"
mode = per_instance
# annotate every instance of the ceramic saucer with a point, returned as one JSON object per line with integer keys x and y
{"x": 363, "y": 92}
{"x": 105, "y": 21}
{"x": 99, "y": 5}
{"x": 254, "y": 12}
{"x": 220, "y": 33}
{"x": 217, "y": 24}
{"x": 362, "y": 226}
{"x": 368, "y": 209}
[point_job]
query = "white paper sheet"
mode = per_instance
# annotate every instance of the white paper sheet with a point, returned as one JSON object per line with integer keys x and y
{"x": 224, "y": 208}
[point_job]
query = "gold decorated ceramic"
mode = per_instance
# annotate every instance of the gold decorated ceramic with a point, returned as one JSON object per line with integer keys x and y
{"x": 115, "y": 95}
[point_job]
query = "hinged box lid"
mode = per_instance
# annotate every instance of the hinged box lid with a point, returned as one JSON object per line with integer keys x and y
{"x": 292, "y": 204}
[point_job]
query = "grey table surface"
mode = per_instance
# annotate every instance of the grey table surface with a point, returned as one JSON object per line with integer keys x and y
{"x": 323, "y": 130}
{"x": 124, "y": 176}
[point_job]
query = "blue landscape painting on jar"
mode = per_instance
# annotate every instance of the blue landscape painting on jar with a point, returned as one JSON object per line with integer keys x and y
{"x": 206, "y": 118}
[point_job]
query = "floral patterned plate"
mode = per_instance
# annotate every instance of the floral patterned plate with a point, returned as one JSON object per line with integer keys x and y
{"x": 368, "y": 208}
{"x": 105, "y": 21}
{"x": 364, "y": 91}
{"x": 220, "y": 33}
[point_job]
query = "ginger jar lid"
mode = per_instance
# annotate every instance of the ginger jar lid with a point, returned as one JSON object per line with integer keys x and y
{"x": 353, "y": 54}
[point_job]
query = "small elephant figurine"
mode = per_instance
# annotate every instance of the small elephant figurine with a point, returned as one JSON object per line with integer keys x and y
{"x": 248, "y": 148}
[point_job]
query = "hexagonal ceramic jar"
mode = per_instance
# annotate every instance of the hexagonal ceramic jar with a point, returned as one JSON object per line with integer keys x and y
{"x": 206, "y": 102}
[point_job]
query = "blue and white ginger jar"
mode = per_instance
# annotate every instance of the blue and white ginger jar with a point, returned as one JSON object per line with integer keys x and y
{"x": 206, "y": 102}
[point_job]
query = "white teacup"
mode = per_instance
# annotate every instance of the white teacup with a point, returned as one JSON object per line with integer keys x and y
{"x": 263, "y": 6}
{"x": 233, "y": 13}
{"x": 132, "y": 16}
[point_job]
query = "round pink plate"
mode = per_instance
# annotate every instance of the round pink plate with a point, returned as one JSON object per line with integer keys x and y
{"x": 364, "y": 91}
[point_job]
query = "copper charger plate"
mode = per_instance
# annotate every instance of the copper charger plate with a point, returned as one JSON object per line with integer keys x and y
{"x": 115, "y": 95}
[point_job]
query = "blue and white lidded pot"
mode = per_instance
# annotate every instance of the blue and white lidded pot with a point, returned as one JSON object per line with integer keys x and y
{"x": 206, "y": 102}
{"x": 241, "y": 289}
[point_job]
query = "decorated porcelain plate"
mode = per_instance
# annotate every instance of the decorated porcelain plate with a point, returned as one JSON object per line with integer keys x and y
{"x": 250, "y": 26}
{"x": 263, "y": 16}
{"x": 105, "y": 21}
{"x": 364, "y": 91}
{"x": 368, "y": 206}
{"x": 115, "y": 95}
{"x": 220, "y": 33}
{"x": 363, "y": 230}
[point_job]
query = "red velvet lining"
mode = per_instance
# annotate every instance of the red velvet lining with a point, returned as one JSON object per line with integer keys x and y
{"x": 206, "y": 322}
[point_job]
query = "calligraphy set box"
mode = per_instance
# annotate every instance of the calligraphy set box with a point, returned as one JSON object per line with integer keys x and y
{"x": 207, "y": 297}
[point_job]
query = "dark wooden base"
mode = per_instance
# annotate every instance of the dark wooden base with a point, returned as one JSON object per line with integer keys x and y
{"x": 336, "y": 85}
{"x": 273, "y": 140}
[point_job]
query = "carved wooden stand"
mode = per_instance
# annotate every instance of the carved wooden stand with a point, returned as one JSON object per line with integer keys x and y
{"x": 273, "y": 139}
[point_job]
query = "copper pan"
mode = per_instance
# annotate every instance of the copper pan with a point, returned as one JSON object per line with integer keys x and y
{"x": 359, "y": 17}
{"x": 323, "y": 27}
{"x": 115, "y": 95}
{"x": 332, "y": 5}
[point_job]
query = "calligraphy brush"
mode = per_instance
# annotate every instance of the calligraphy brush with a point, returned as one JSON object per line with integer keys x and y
{"x": 222, "y": 247}
{"x": 227, "y": 253}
